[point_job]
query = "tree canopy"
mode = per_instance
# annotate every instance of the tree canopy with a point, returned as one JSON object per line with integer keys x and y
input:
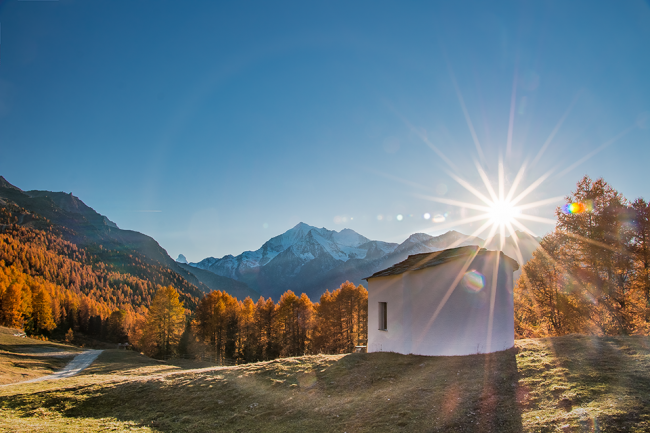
{"x": 591, "y": 274}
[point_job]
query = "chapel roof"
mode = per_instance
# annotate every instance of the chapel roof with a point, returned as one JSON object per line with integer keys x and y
{"x": 416, "y": 262}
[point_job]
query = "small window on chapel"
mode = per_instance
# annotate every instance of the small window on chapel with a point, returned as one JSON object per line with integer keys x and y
{"x": 383, "y": 316}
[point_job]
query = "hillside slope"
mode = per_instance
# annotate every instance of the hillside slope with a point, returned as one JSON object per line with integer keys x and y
{"x": 568, "y": 384}
{"x": 216, "y": 282}
{"x": 125, "y": 251}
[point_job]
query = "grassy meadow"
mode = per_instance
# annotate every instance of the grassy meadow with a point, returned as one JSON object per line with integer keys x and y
{"x": 25, "y": 358}
{"x": 569, "y": 384}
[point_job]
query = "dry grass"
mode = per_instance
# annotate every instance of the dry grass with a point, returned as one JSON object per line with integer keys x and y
{"x": 24, "y": 358}
{"x": 560, "y": 384}
{"x": 580, "y": 383}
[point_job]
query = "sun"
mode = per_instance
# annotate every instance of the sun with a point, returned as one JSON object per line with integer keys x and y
{"x": 503, "y": 212}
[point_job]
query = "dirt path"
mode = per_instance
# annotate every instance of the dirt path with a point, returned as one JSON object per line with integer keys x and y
{"x": 75, "y": 366}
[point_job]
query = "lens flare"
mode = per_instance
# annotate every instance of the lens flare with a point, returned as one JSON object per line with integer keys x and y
{"x": 473, "y": 281}
{"x": 439, "y": 218}
{"x": 501, "y": 210}
{"x": 577, "y": 208}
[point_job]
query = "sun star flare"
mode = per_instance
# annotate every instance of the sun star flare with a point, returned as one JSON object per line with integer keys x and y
{"x": 499, "y": 211}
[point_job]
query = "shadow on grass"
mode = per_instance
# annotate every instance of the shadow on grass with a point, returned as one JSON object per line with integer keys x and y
{"x": 584, "y": 383}
{"x": 17, "y": 367}
{"x": 356, "y": 392}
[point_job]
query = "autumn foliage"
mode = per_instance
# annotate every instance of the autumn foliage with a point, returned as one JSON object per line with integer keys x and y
{"x": 163, "y": 326}
{"x": 51, "y": 285}
{"x": 592, "y": 274}
{"x": 253, "y": 331}
{"x": 48, "y": 284}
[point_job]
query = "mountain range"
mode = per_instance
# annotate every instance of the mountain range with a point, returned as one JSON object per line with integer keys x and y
{"x": 311, "y": 260}
{"x": 303, "y": 259}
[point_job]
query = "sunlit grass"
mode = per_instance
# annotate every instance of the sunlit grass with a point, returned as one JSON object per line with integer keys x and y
{"x": 585, "y": 383}
{"x": 23, "y": 358}
{"x": 558, "y": 384}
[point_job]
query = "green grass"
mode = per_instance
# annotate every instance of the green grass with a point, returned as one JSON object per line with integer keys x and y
{"x": 570, "y": 384}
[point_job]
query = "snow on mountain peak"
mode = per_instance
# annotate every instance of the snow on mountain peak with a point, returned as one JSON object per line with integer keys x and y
{"x": 349, "y": 238}
{"x": 419, "y": 237}
{"x": 304, "y": 240}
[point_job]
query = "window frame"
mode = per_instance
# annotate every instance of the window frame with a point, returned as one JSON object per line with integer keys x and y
{"x": 383, "y": 316}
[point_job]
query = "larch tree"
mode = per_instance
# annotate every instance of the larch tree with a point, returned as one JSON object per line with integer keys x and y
{"x": 267, "y": 329}
{"x": 16, "y": 304}
{"x": 341, "y": 319}
{"x": 42, "y": 311}
{"x": 247, "y": 337}
{"x": 294, "y": 321}
{"x": 640, "y": 248}
{"x": 117, "y": 326}
{"x": 164, "y": 323}
{"x": 548, "y": 300}
{"x": 591, "y": 274}
{"x": 217, "y": 322}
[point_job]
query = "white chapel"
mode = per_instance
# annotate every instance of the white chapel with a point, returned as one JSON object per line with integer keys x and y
{"x": 453, "y": 302}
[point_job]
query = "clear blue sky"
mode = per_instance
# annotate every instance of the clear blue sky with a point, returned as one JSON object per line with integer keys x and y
{"x": 236, "y": 120}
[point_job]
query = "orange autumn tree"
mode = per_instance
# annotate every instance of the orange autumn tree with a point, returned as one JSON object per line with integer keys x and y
{"x": 294, "y": 323}
{"x": 164, "y": 323}
{"x": 42, "y": 320}
{"x": 247, "y": 336}
{"x": 591, "y": 274}
{"x": 265, "y": 321}
{"x": 248, "y": 331}
{"x": 341, "y": 319}
{"x": 217, "y": 323}
{"x": 16, "y": 304}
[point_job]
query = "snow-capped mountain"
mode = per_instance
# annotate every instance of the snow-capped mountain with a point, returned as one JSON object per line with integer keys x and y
{"x": 311, "y": 260}
{"x": 301, "y": 253}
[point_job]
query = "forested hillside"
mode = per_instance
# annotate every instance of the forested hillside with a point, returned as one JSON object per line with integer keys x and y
{"x": 75, "y": 288}
{"x": 65, "y": 269}
{"x": 79, "y": 224}
{"x": 63, "y": 266}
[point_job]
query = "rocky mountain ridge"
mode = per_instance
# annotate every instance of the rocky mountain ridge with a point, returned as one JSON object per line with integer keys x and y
{"x": 311, "y": 260}
{"x": 83, "y": 226}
